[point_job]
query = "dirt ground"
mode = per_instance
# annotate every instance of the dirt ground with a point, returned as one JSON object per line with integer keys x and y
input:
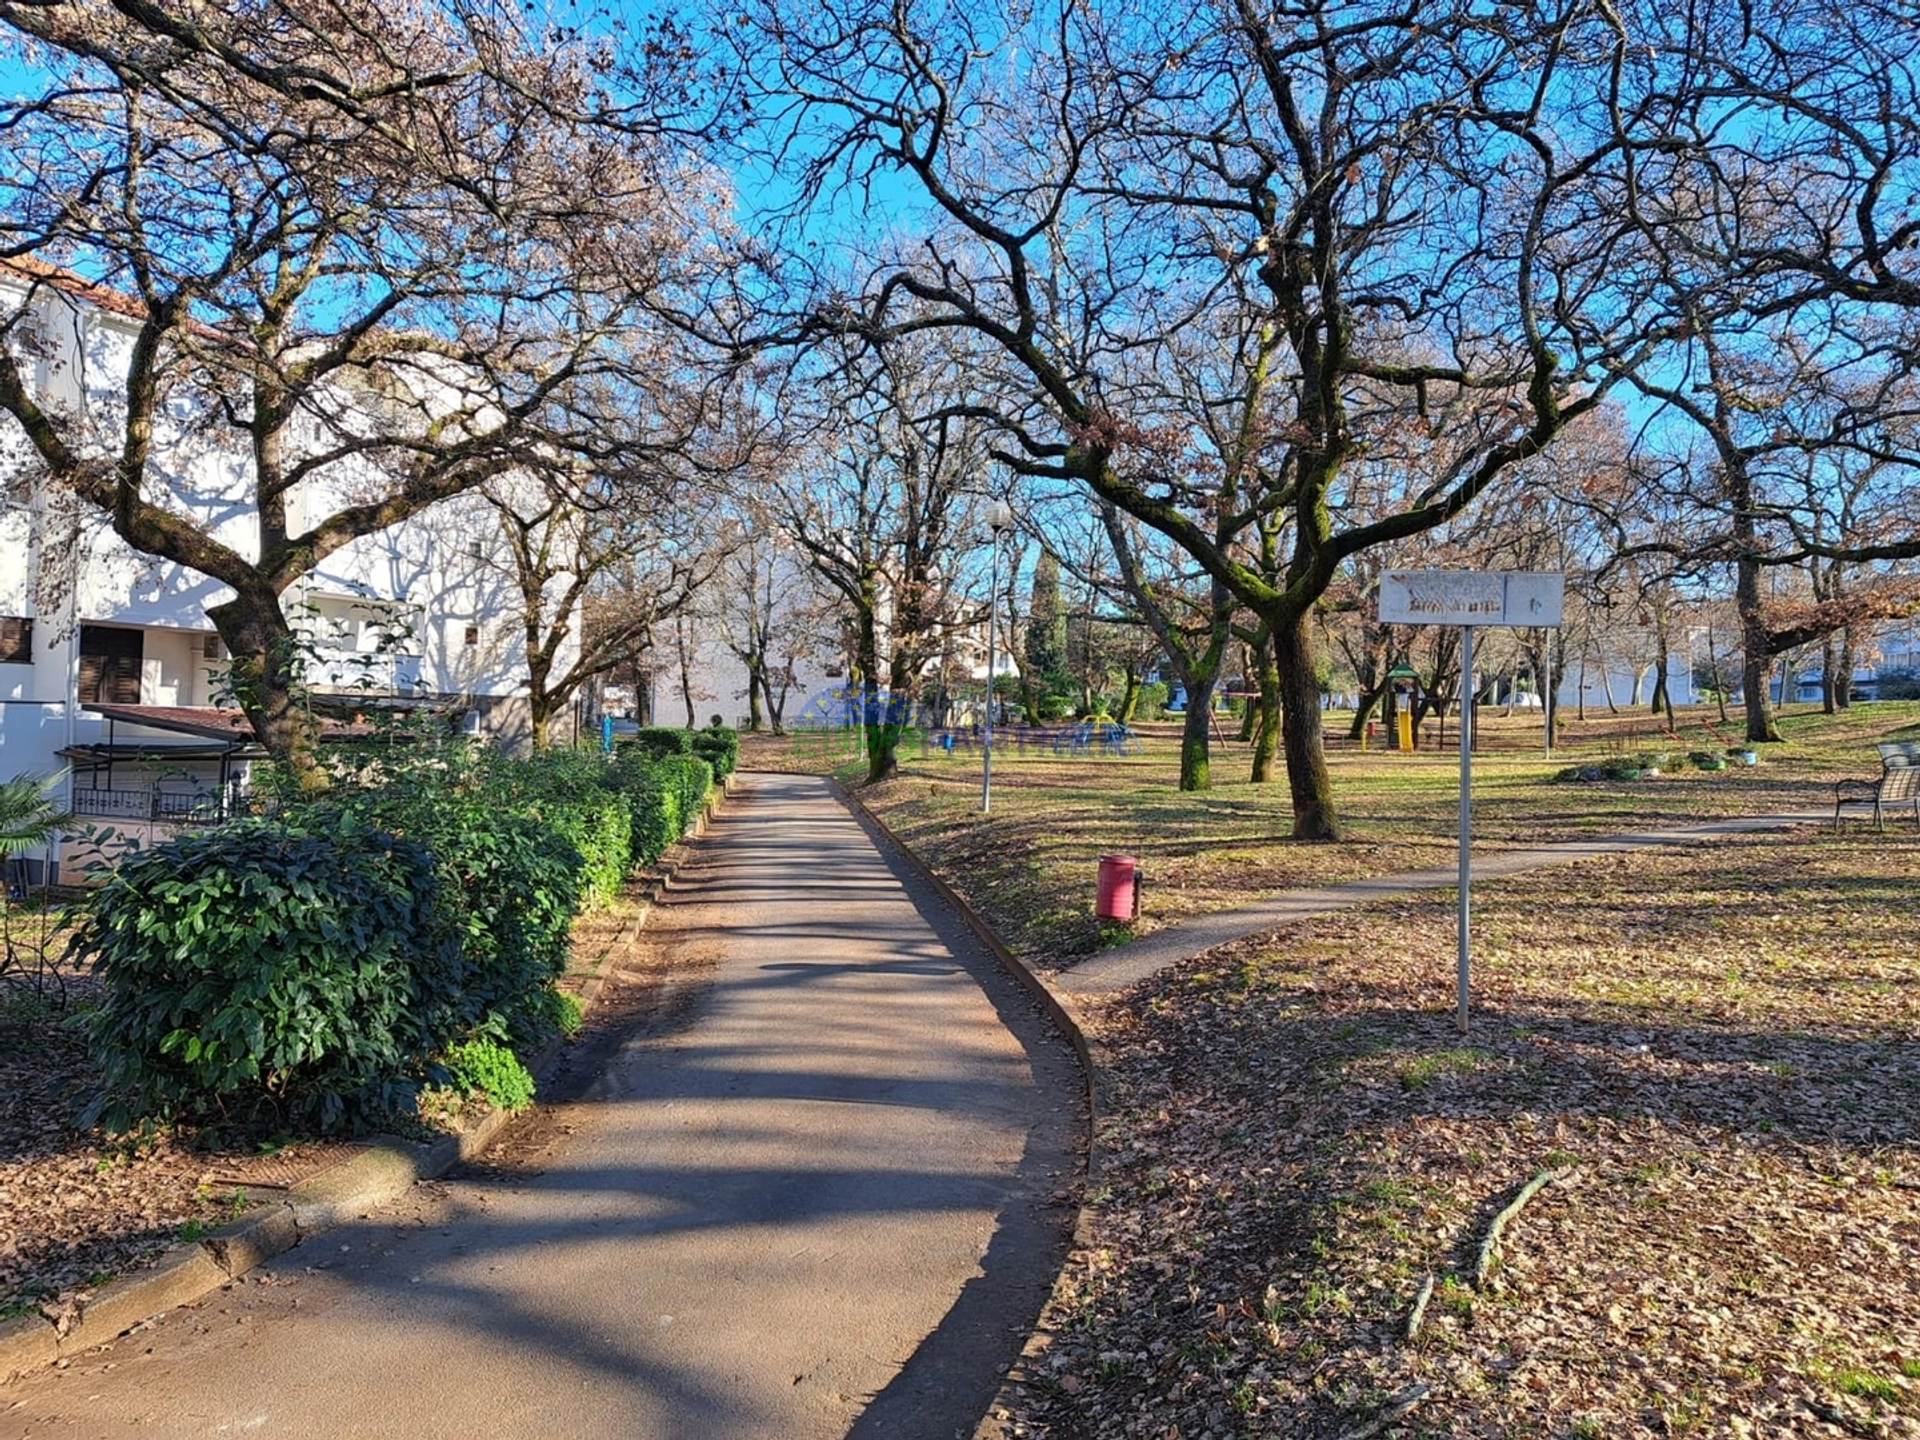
{"x": 1710, "y": 1060}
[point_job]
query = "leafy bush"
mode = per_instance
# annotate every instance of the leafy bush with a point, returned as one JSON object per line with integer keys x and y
{"x": 563, "y": 1012}
{"x": 491, "y": 1069}
{"x": 653, "y": 805}
{"x": 658, "y": 741}
{"x": 692, "y": 780}
{"x": 511, "y": 883}
{"x": 568, "y": 790}
{"x": 720, "y": 748}
{"x": 303, "y": 971}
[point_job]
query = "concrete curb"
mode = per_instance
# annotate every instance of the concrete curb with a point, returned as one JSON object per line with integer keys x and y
{"x": 347, "y": 1191}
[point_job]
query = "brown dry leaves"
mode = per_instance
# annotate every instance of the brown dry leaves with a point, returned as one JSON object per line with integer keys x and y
{"x": 1718, "y": 1046}
{"x": 74, "y": 1207}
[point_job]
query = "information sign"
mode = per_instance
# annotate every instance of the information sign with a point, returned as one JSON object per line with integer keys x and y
{"x": 1472, "y": 597}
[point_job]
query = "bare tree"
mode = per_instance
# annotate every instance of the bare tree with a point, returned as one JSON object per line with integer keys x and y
{"x": 884, "y": 501}
{"x": 373, "y": 249}
{"x": 765, "y": 608}
{"x": 1785, "y": 243}
{"x": 1384, "y": 203}
{"x": 640, "y": 553}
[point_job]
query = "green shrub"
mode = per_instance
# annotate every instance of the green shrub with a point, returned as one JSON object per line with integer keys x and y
{"x": 568, "y": 790}
{"x": 599, "y": 826}
{"x": 511, "y": 882}
{"x": 692, "y": 779}
{"x": 300, "y": 972}
{"x": 562, "y": 1010}
{"x": 490, "y": 1068}
{"x": 720, "y": 748}
{"x": 653, "y": 805}
{"x": 659, "y": 741}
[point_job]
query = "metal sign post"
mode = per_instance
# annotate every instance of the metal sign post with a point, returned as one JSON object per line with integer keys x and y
{"x": 1469, "y": 598}
{"x": 999, "y": 521}
{"x": 1462, "y": 967}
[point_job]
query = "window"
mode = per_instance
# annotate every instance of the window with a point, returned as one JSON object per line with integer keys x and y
{"x": 109, "y": 665}
{"x": 473, "y": 634}
{"x": 16, "y": 640}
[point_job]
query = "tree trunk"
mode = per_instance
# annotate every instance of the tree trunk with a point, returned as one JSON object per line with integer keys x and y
{"x": 1266, "y": 735}
{"x": 683, "y": 652}
{"x": 1195, "y": 741}
{"x": 267, "y": 682}
{"x": 881, "y": 729}
{"x": 1364, "y": 705}
{"x": 1249, "y": 712}
{"x": 1310, "y": 785}
{"x": 756, "y": 685}
{"x": 1758, "y": 648}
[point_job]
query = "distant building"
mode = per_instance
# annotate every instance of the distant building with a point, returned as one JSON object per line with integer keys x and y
{"x": 109, "y": 666}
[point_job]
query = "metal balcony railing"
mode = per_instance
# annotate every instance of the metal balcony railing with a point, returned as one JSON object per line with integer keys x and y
{"x": 175, "y": 808}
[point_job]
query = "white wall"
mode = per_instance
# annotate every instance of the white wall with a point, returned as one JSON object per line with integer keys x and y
{"x": 428, "y": 564}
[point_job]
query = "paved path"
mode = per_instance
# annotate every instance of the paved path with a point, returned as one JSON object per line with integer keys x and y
{"x": 814, "y": 1203}
{"x": 1112, "y": 971}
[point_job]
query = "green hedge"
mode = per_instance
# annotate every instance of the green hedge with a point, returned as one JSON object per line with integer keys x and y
{"x": 656, "y": 742}
{"x": 316, "y": 968}
{"x": 567, "y": 789}
{"x": 297, "y": 973}
{"x": 692, "y": 780}
{"x": 653, "y": 806}
{"x": 511, "y": 883}
{"x": 720, "y": 748}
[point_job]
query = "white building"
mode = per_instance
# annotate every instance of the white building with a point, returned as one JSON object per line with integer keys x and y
{"x": 109, "y": 666}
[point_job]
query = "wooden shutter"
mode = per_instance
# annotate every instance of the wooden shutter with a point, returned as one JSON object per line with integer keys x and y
{"x": 110, "y": 665}
{"x": 16, "y": 640}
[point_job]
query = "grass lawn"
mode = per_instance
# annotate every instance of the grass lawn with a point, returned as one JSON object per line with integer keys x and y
{"x": 1029, "y": 867}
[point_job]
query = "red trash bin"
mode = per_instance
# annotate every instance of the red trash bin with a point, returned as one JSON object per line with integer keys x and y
{"x": 1119, "y": 890}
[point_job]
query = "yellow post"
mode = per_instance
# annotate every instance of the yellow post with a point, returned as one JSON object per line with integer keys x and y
{"x": 1406, "y": 730}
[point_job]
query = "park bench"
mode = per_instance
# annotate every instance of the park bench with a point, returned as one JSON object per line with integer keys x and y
{"x": 1899, "y": 783}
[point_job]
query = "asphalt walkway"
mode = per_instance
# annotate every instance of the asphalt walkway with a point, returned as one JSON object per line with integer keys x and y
{"x": 815, "y": 1203}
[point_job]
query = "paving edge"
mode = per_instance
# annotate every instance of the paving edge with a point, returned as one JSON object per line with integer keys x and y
{"x": 1066, "y": 1015}
{"x": 385, "y": 1170}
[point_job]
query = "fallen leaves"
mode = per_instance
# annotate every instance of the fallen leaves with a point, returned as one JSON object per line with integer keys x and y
{"x": 1297, "y": 1138}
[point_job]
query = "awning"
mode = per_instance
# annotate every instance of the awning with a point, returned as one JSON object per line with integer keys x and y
{"x": 203, "y": 722}
{"x": 207, "y": 722}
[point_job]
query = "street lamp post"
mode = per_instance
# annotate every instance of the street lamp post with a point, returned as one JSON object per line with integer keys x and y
{"x": 999, "y": 521}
